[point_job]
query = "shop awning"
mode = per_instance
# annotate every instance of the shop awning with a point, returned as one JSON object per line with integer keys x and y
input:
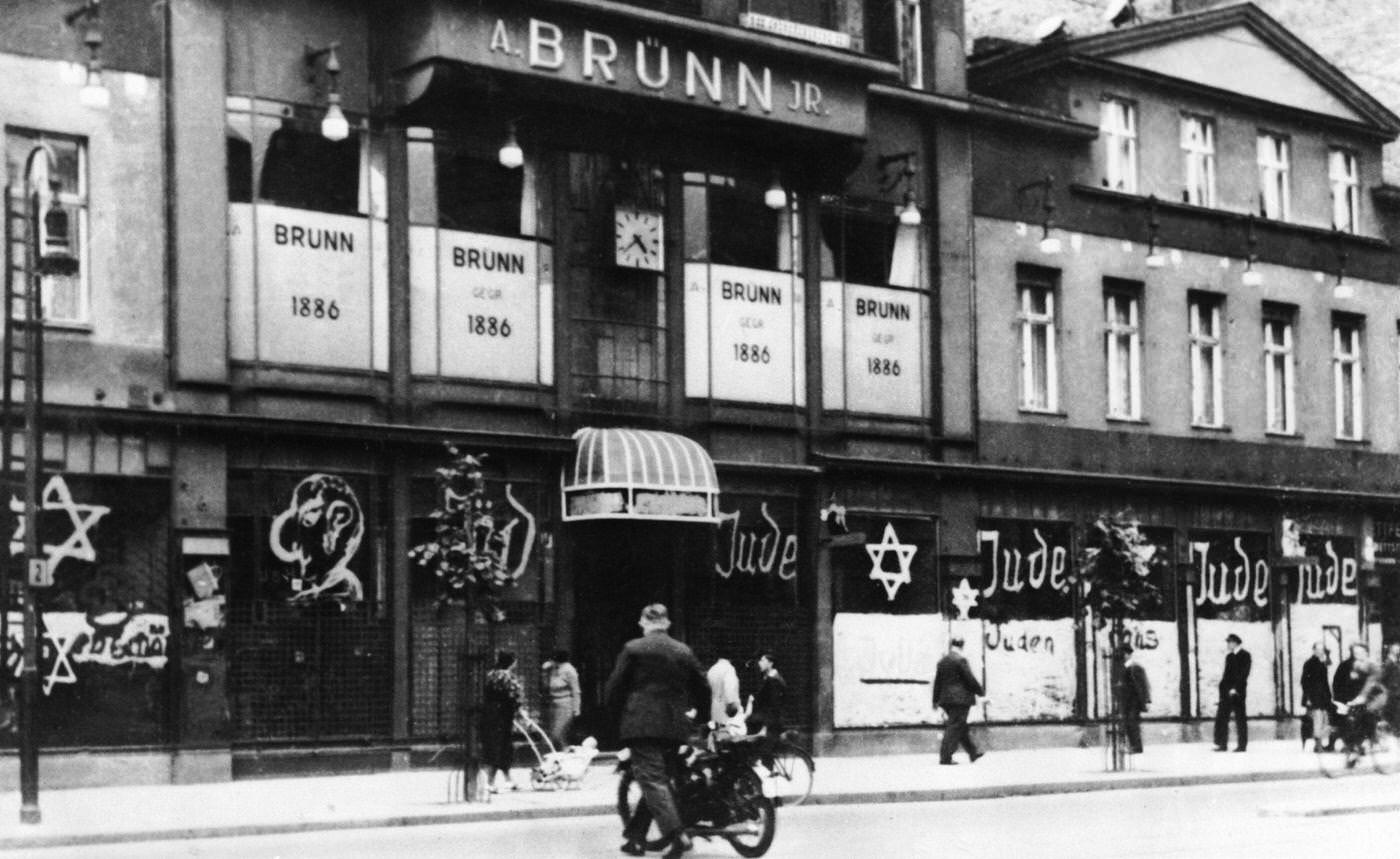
{"x": 639, "y": 474}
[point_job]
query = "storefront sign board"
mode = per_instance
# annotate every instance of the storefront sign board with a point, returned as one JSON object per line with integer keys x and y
{"x": 744, "y": 334}
{"x": 873, "y": 349}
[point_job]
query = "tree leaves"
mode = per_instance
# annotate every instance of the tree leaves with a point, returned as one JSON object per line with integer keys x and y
{"x": 1115, "y": 569}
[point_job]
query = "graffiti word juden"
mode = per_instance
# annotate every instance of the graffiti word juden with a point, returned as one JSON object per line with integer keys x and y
{"x": 111, "y": 639}
{"x": 1013, "y": 637}
{"x": 1013, "y": 572}
{"x": 1233, "y": 578}
{"x": 763, "y": 551}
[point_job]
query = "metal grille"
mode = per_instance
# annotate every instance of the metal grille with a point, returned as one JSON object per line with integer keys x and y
{"x": 447, "y": 682}
{"x": 318, "y": 673}
{"x": 740, "y": 632}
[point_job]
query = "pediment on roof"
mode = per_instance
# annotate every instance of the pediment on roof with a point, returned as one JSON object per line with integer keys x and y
{"x": 1236, "y": 59}
{"x": 1236, "y": 48}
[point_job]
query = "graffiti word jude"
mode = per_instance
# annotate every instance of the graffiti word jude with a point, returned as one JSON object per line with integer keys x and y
{"x": 1043, "y": 567}
{"x": 1013, "y": 637}
{"x": 774, "y": 553}
{"x": 598, "y": 58}
{"x": 1335, "y": 577}
{"x": 1223, "y": 583}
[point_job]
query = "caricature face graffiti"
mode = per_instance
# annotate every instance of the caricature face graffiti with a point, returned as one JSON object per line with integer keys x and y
{"x": 320, "y": 532}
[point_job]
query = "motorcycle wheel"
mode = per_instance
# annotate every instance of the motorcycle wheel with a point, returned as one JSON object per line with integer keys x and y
{"x": 629, "y": 795}
{"x": 754, "y": 809}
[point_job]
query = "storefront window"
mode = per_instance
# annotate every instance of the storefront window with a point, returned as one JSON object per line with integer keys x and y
{"x": 618, "y": 335}
{"x": 310, "y": 650}
{"x": 482, "y": 276}
{"x": 875, "y": 315}
{"x": 308, "y": 270}
{"x": 106, "y": 630}
{"x": 745, "y": 338}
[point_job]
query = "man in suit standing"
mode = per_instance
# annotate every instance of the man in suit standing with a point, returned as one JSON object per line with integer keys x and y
{"x": 655, "y": 681}
{"x": 1134, "y": 694}
{"x": 1234, "y": 682}
{"x": 955, "y": 690}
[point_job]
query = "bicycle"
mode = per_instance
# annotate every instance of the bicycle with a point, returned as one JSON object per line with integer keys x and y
{"x": 1379, "y": 744}
{"x": 790, "y": 769}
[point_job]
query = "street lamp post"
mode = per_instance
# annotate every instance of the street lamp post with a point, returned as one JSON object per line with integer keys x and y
{"x": 47, "y": 250}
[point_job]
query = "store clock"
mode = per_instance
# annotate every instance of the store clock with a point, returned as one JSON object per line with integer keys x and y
{"x": 639, "y": 240}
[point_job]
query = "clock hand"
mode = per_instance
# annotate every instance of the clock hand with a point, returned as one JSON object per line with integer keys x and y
{"x": 637, "y": 240}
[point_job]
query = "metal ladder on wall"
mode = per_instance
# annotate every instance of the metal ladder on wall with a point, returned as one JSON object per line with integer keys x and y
{"x": 22, "y": 359}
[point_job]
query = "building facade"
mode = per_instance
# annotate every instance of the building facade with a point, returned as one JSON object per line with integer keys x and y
{"x": 712, "y": 288}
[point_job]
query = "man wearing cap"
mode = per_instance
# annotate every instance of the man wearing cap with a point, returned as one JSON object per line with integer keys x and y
{"x": 655, "y": 682}
{"x": 955, "y": 690}
{"x": 1234, "y": 682}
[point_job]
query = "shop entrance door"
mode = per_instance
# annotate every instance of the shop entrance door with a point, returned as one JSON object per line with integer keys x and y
{"x": 619, "y": 567}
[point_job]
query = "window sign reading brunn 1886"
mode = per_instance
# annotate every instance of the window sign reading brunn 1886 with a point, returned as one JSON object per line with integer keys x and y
{"x": 487, "y": 300}
{"x": 312, "y": 288}
{"x": 743, "y": 334}
{"x": 873, "y": 348}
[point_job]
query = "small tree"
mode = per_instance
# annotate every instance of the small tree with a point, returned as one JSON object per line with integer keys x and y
{"x": 469, "y": 555}
{"x": 1115, "y": 571}
{"x": 1115, "y": 575}
{"x": 468, "y": 552}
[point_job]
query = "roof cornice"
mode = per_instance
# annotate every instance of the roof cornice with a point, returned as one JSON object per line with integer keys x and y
{"x": 1023, "y": 62}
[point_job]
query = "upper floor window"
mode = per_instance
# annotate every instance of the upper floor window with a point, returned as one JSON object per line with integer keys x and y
{"x": 1123, "y": 345}
{"x": 64, "y": 296}
{"x": 728, "y": 223}
{"x": 1341, "y": 174}
{"x": 1118, "y": 126}
{"x": 1198, "y": 152}
{"x": 1036, "y": 320}
{"x": 1346, "y": 376}
{"x": 1207, "y": 397}
{"x": 1273, "y": 176}
{"x": 1279, "y": 361}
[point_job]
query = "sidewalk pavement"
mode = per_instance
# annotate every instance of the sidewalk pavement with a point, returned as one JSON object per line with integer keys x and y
{"x": 418, "y": 797}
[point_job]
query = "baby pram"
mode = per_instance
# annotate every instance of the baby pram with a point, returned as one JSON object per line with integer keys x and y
{"x": 557, "y": 768}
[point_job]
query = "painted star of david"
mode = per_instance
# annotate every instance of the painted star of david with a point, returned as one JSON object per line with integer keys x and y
{"x": 965, "y": 598}
{"x": 62, "y": 670}
{"x": 56, "y": 497}
{"x": 904, "y": 553}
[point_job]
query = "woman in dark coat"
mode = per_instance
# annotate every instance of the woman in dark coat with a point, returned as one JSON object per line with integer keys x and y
{"x": 1317, "y": 695}
{"x": 499, "y": 706}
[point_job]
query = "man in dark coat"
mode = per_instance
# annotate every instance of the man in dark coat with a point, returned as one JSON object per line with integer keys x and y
{"x": 1234, "y": 682}
{"x": 1317, "y": 695}
{"x": 655, "y": 682}
{"x": 1347, "y": 682}
{"x": 1134, "y": 694}
{"x": 955, "y": 690}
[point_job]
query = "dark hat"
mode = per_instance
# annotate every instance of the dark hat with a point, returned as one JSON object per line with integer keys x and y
{"x": 955, "y": 641}
{"x": 655, "y": 614}
{"x": 1233, "y": 638}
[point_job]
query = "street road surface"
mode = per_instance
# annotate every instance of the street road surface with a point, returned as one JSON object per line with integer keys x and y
{"x": 1268, "y": 820}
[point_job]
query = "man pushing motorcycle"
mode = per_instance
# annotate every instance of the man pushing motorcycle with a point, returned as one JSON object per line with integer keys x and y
{"x": 654, "y": 684}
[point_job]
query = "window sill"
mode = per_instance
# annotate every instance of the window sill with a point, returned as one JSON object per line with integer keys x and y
{"x": 1353, "y": 442}
{"x": 1044, "y": 413}
{"x": 1283, "y": 436}
{"x": 71, "y": 327}
{"x": 1217, "y": 428}
{"x": 1119, "y": 419}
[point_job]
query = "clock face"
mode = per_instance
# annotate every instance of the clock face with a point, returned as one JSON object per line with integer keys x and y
{"x": 638, "y": 233}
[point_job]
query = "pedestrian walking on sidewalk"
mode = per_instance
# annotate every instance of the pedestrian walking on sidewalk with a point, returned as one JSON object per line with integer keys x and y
{"x": 655, "y": 682}
{"x": 1234, "y": 682}
{"x": 1134, "y": 694}
{"x": 500, "y": 704}
{"x": 955, "y": 690}
{"x": 1317, "y": 695}
{"x": 765, "y": 709}
{"x": 562, "y": 698}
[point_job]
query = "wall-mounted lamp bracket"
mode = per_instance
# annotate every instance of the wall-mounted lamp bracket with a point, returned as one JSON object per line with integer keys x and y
{"x": 312, "y": 57}
{"x": 907, "y": 164}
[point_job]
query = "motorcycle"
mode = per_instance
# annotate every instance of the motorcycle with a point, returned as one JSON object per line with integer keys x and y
{"x": 718, "y": 793}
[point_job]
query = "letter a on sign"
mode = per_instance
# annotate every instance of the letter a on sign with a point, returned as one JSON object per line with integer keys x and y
{"x": 39, "y": 575}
